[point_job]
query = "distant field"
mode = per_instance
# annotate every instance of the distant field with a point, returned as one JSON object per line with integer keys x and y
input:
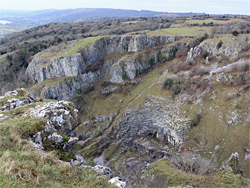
{"x": 229, "y": 21}
{"x": 184, "y": 31}
{"x": 128, "y": 22}
{"x": 176, "y": 25}
{"x": 206, "y": 21}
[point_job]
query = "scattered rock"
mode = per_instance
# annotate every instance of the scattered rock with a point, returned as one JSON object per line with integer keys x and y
{"x": 110, "y": 90}
{"x": 116, "y": 181}
{"x": 14, "y": 102}
{"x": 217, "y": 147}
{"x": 61, "y": 116}
{"x": 232, "y": 164}
{"x": 73, "y": 140}
{"x": 79, "y": 161}
{"x": 103, "y": 171}
{"x": 247, "y": 152}
{"x": 235, "y": 118}
{"x": 55, "y": 138}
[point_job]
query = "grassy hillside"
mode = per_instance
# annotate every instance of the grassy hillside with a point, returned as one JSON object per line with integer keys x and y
{"x": 167, "y": 173}
{"x": 21, "y": 165}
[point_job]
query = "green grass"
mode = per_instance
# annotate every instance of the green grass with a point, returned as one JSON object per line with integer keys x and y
{"x": 209, "y": 20}
{"x": 213, "y": 128}
{"x": 21, "y": 165}
{"x": 226, "y": 38}
{"x": 128, "y": 22}
{"x": 166, "y": 171}
{"x": 68, "y": 50}
{"x": 49, "y": 82}
{"x": 193, "y": 21}
{"x": 183, "y": 31}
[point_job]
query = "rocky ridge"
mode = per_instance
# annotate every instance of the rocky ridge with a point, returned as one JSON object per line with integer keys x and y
{"x": 231, "y": 47}
{"x": 113, "y": 59}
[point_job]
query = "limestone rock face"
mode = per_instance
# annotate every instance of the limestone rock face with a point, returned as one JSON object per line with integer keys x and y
{"x": 81, "y": 71}
{"x": 42, "y": 69}
{"x": 66, "y": 88}
{"x": 20, "y": 98}
{"x": 230, "y": 48}
{"x": 61, "y": 116}
{"x": 103, "y": 171}
{"x": 55, "y": 67}
{"x": 157, "y": 118}
{"x": 55, "y": 138}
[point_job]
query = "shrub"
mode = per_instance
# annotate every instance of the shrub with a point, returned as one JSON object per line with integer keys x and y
{"x": 152, "y": 61}
{"x": 54, "y": 98}
{"x": 220, "y": 55}
{"x": 124, "y": 76}
{"x": 219, "y": 44}
{"x": 195, "y": 164}
{"x": 168, "y": 83}
{"x": 137, "y": 72}
{"x": 196, "y": 121}
{"x": 160, "y": 55}
{"x": 246, "y": 67}
{"x": 65, "y": 138}
{"x": 79, "y": 91}
{"x": 235, "y": 33}
{"x": 177, "y": 90}
{"x": 204, "y": 37}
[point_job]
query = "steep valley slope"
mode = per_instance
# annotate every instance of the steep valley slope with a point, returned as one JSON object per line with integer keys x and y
{"x": 159, "y": 111}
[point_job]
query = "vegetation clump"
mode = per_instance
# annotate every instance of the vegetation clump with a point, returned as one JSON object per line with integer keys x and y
{"x": 168, "y": 83}
{"x": 246, "y": 67}
{"x": 124, "y": 76}
{"x": 219, "y": 44}
{"x": 152, "y": 61}
{"x": 79, "y": 91}
{"x": 235, "y": 33}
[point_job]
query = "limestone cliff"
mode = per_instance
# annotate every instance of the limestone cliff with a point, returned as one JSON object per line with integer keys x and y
{"x": 113, "y": 59}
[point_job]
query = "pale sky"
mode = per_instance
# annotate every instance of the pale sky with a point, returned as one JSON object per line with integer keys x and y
{"x": 206, "y": 6}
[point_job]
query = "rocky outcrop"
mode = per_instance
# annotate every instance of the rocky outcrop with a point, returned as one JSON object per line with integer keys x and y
{"x": 97, "y": 62}
{"x": 112, "y": 89}
{"x": 128, "y": 67}
{"x": 61, "y": 119}
{"x": 230, "y": 48}
{"x": 60, "y": 116}
{"x": 18, "y": 98}
{"x": 67, "y": 87}
{"x": 41, "y": 69}
{"x": 116, "y": 181}
{"x": 157, "y": 118}
{"x": 150, "y": 132}
{"x": 232, "y": 164}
